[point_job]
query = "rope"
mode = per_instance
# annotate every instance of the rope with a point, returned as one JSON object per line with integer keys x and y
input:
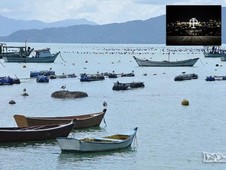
{"x": 201, "y": 61}
{"x": 2, "y": 65}
{"x": 16, "y": 76}
{"x": 105, "y": 123}
{"x": 135, "y": 141}
{"x": 62, "y": 58}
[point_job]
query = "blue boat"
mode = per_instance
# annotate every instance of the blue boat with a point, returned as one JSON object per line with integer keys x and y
{"x": 7, "y": 80}
{"x": 42, "y": 79}
{"x": 87, "y": 78}
{"x": 210, "y": 78}
{"x": 43, "y": 72}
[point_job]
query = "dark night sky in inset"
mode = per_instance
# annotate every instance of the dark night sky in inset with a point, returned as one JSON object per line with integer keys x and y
{"x": 186, "y": 12}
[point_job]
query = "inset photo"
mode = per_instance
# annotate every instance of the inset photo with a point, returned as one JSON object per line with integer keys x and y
{"x": 193, "y": 25}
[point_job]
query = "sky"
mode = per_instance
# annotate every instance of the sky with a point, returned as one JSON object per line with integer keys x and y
{"x": 98, "y": 11}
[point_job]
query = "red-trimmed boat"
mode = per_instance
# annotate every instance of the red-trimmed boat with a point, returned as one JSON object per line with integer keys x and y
{"x": 81, "y": 121}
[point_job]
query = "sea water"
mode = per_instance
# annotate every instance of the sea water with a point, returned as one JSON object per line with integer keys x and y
{"x": 170, "y": 135}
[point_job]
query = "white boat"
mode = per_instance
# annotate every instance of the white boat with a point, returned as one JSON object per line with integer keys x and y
{"x": 150, "y": 63}
{"x": 114, "y": 142}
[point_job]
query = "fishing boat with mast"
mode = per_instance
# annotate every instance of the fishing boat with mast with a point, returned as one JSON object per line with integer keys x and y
{"x": 25, "y": 54}
{"x": 40, "y": 56}
{"x": 14, "y": 51}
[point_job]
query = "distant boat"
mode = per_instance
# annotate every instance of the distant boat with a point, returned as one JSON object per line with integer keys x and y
{"x": 125, "y": 86}
{"x": 150, "y": 63}
{"x": 215, "y": 52}
{"x": 7, "y": 80}
{"x": 186, "y": 77}
{"x": 114, "y": 142}
{"x": 81, "y": 121}
{"x": 120, "y": 86}
{"x": 42, "y": 72}
{"x": 42, "y": 79}
{"x": 34, "y": 133}
{"x": 93, "y": 77}
{"x": 41, "y": 56}
{"x": 214, "y": 78}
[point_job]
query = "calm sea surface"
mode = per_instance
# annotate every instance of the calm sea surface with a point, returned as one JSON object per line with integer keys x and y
{"x": 170, "y": 136}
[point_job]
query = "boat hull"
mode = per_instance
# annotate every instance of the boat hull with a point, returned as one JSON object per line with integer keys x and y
{"x": 81, "y": 121}
{"x": 95, "y": 144}
{"x": 16, "y": 59}
{"x": 182, "y": 63}
{"x": 38, "y": 133}
{"x": 223, "y": 57}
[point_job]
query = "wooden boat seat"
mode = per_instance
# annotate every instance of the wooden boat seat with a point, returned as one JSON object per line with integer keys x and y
{"x": 99, "y": 140}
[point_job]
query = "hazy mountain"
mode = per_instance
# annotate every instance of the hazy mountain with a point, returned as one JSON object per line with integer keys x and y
{"x": 151, "y": 31}
{"x": 9, "y": 25}
{"x": 148, "y": 31}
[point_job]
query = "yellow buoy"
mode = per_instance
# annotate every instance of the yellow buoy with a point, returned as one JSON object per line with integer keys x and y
{"x": 185, "y": 102}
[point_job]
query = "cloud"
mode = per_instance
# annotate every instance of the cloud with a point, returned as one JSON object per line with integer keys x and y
{"x": 99, "y": 11}
{"x": 184, "y": 2}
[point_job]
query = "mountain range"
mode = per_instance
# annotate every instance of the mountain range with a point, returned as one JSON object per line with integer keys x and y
{"x": 150, "y": 31}
{"x": 9, "y": 25}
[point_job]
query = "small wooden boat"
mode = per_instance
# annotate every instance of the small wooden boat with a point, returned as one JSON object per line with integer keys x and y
{"x": 120, "y": 86}
{"x": 136, "y": 84}
{"x": 93, "y": 77}
{"x": 186, "y": 77}
{"x": 150, "y": 63}
{"x": 126, "y": 86}
{"x": 127, "y": 75}
{"x": 81, "y": 121}
{"x": 35, "y": 133}
{"x": 42, "y": 73}
{"x": 112, "y": 75}
{"x": 114, "y": 142}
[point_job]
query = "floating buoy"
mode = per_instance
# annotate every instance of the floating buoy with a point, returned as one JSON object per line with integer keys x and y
{"x": 185, "y": 102}
{"x": 12, "y": 102}
{"x": 25, "y": 94}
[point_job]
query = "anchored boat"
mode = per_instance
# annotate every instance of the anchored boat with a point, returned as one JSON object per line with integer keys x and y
{"x": 150, "y": 63}
{"x": 40, "y": 56}
{"x": 113, "y": 142}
